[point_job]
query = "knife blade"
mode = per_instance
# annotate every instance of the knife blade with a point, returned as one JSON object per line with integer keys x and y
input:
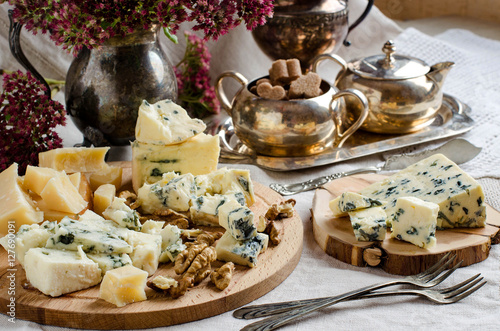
{"x": 458, "y": 150}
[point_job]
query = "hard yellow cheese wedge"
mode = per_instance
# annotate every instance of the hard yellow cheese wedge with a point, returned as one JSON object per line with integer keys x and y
{"x": 73, "y": 159}
{"x": 124, "y": 285}
{"x": 16, "y": 207}
{"x": 36, "y": 178}
{"x": 108, "y": 175}
{"x": 103, "y": 197}
{"x": 60, "y": 194}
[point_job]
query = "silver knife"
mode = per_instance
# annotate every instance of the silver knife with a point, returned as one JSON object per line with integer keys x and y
{"x": 458, "y": 150}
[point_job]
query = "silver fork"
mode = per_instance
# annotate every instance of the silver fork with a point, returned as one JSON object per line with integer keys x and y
{"x": 443, "y": 296}
{"x": 426, "y": 279}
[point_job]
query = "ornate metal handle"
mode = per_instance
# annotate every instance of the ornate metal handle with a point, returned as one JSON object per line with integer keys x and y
{"x": 359, "y": 20}
{"x": 342, "y": 137}
{"x": 17, "y": 52}
{"x": 219, "y": 90}
{"x": 335, "y": 58}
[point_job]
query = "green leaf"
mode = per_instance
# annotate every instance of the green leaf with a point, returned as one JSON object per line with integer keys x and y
{"x": 172, "y": 37}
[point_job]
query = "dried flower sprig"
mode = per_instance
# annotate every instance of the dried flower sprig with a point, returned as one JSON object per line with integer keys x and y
{"x": 195, "y": 93}
{"x": 78, "y": 24}
{"x": 28, "y": 119}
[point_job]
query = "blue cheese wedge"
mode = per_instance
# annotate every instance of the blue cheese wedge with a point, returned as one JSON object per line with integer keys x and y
{"x": 226, "y": 181}
{"x": 244, "y": 252}
{"x": 415, "y": 221}
{"x": 369, "y": 224}
{"x": 439, "y": 180}
{"x": 171, "y": 244}
{"x": 172, "y": 192}
{"x": 198, "y": 155}
{"x": 165, "y": 123}
{"x": 204, "y": 209}
{"x": 29, "y": 236}
{"x": 122, "y": 215}
{"x": 56, "y": 272}
{"x": 238, "y": 220}
{"x": 108, "y": 262}
{"x": 71, "y": 234}
{"x": 350, "y": 201}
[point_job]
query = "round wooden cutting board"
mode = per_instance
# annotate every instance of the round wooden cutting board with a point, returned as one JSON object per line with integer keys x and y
{"x": 84, "y": 309}
{"x": 336, "y": 237}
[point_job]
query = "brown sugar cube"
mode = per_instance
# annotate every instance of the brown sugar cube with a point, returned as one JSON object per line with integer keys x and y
{"x": 263, "y": 80}
{"x": 307, "y": 86}
{"x": 278, "y": 72}
{"x": 253, "y": 89}
{"x": 294, "y": 70}
{"x": 267, "y": 91}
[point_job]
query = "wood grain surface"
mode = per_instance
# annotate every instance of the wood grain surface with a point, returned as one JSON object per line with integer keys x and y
{"x": 83, "y": 309}
{"x": 336, "y": 237}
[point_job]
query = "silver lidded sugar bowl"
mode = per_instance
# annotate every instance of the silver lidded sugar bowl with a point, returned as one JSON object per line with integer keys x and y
{"x": 404, "y": 93}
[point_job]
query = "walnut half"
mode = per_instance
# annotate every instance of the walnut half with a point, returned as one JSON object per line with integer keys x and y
{"x": 222, "y": 277}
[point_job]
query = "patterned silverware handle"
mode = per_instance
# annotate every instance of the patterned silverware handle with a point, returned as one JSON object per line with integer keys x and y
{"x": 290, "y": 189}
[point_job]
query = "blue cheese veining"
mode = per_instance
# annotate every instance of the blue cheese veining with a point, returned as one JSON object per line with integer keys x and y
{"x": 242, "y": 252}
{"x": 238, "y": 220}
{"x": 350, "y": 201}
{"x": 415, "y": 221}
{"x": 369, "y": 224}
{"x": 435, "y": 179}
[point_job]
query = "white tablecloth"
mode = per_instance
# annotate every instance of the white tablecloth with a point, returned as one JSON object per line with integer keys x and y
{"x": 474, "y": 80}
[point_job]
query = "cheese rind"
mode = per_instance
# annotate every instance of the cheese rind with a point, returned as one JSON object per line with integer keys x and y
{"x": 165, "y": 123}
{"x": 56, "y": 272}
{"x": 241, "y": 252}
{"x": 369, "y": 224}
{"x": 238, "y": 220}
{"x": 16, "y": 207}
{"x": 350, "y": 201}
{"x": 74, "y": 159}
{"x": 435, "y": 179}
{"x": 415, "y": 221}
{"x": 198, "y": 155}
{"x": 123, "y": 285}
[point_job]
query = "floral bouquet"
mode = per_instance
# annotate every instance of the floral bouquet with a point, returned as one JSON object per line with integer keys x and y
{"x": 78, "y": 24}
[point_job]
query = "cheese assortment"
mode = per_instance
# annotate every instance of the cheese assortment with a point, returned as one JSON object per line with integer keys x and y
{"x": 94, "y": 235}
{"x": 433, "y": 193}
{"x": 168, "y": 140}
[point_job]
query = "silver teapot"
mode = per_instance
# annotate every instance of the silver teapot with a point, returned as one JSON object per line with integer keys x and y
{"x": 403, "y": 92}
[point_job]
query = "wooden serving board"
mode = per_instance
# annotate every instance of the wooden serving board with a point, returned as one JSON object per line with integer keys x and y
{"x": 84, "y": 309}
{"x": 336, "y": 237}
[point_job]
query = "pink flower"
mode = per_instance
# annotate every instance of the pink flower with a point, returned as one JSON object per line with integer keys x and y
{"x": 28, "y": 119}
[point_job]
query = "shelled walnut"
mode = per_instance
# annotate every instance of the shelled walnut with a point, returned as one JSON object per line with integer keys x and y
{"x": 281, "y": 210}
{"x": 222, "y": 277}
{"x": 130, "y": 199}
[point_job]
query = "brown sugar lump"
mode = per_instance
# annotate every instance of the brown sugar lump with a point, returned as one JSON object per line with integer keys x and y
{"x": 307, "y": 86}
{"x": 267, "y": 91}
{"x": 294, "y": 70}
{"x": 278, "y": 72}
{"x": 263, "y": 80}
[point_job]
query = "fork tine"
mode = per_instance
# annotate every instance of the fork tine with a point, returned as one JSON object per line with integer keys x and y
{"x": 457, "y": 286}
{"x": 434, "y": 267}
{"x": 462, "y": 287}
{"x": 467, "y": 293}
{"x": 434, "y": 274}
{"x": 440, "y": 279}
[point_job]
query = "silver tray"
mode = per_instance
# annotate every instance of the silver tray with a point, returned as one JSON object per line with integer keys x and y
{"x": 450, "y": 120}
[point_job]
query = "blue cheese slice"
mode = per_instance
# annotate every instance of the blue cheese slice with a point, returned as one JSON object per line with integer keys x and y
{"x": 71, "y": 234}
{"x": 244, "y": 252}
{"x": 172, "y": 192}
{"x": 204, "y": 209}
{"x": 435, "y": 179}
{"x": 350, "y": 201}
{"x": 56, "y": 272}
{"x": 108, "y": 262}
{"x": 415, "y": 221}
{"x": 198, "y": 155}
{"x": 369, "y": 224}
{"x": 122, "y": 215}
{"x": 171, "y": 244}
{"x": 165, "y": 123}
{"x": 238, "y": 220}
